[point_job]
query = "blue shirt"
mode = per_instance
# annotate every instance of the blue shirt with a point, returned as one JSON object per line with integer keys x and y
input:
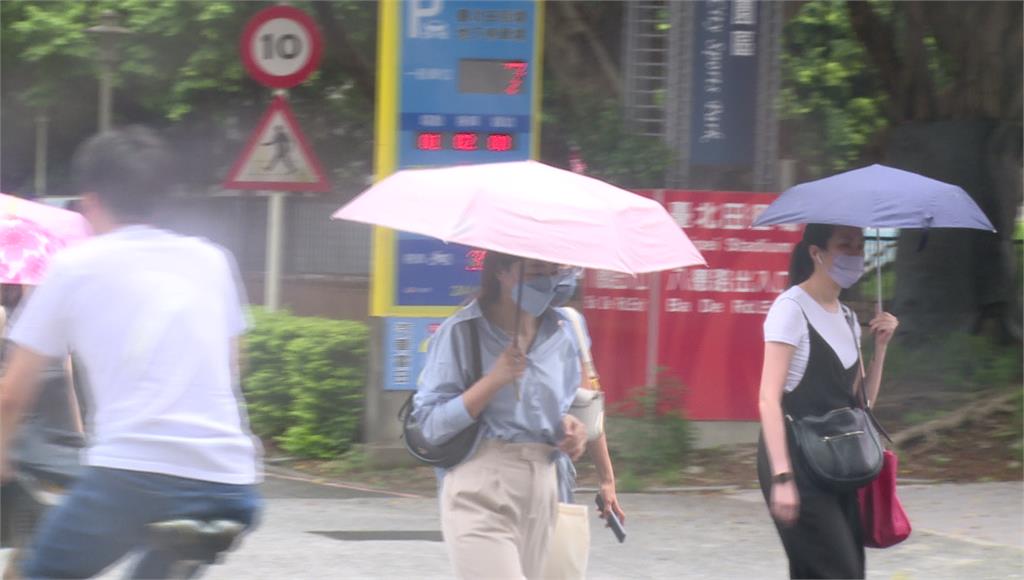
{"x": 547, "y": 386}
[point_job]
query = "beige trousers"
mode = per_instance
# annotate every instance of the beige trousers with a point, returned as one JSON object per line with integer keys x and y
{"x": 498, "y": 511}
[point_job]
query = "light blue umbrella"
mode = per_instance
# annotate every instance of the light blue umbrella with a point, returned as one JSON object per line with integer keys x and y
{"x": 877, "y": 197}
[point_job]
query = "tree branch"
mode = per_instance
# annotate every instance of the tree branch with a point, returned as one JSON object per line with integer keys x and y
{"x": 974, "y": 411}
{"x": 579, "y": 26}
{"x": 348, "y": 58}
{"x": 878, "y": 39}
{"x": 917, "y": 82}
{"x": 984, "y": 43}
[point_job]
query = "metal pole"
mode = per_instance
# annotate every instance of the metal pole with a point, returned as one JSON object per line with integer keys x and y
{"x": 106, "y": 96}
{"x": 653, "y": 319}
{"x": 878, "y": 269}
{"x": 107, "y": 32}
{"x": 275, "y": 233}
{"x": 787, "y": 174}
{"x": 42, "y": 127}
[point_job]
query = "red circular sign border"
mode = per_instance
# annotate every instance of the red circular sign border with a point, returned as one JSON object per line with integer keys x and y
{"x": 290, "y": 13}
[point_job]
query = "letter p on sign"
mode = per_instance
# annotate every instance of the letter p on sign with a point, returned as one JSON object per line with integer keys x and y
{"x": 420, "y": 9}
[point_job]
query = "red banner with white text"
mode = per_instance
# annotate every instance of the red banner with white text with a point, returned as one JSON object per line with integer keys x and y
{"x": 709, "y": 330}
{"x": 616, "y": 307}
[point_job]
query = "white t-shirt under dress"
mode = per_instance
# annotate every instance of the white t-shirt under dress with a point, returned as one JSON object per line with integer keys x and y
{"x": 785, "y": 323}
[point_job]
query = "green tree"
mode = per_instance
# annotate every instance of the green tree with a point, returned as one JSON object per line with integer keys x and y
{"x": 583, "y": 106}
{"x": 831, "y": 100}
{"x": 918, "y": 85}
{"x": 953, "y": 73}
{"x": 180, "y": 70}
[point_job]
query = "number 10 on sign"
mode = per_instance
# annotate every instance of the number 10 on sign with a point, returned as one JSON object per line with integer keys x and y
{"x": 281, "y": 46}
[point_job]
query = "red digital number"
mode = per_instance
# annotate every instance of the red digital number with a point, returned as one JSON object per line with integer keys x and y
{"x": 428, "y": 141}
{"x": 518, "y": 69}
{"x": 499, "y": 142}
{"x": 465, "y": 141}
{"x": 475, "y": 260}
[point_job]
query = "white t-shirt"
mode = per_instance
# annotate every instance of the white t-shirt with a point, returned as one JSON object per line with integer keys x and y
{"x": 151, "y": 315}
{"x": 785, "y": 323}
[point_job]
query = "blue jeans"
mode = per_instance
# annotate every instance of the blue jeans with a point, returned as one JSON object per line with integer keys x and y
{"x": 104, "y": 517}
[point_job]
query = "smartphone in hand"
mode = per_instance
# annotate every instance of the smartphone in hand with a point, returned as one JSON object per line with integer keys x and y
{"x": 613, "y": 520}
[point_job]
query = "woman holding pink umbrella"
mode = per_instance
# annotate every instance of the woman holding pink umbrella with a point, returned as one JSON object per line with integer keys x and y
{"x": 30, "y": 234}
{"x": 498, "y": 506}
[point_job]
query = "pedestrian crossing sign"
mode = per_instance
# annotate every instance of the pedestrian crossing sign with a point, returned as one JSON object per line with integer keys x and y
{"x": 278, "y": 156}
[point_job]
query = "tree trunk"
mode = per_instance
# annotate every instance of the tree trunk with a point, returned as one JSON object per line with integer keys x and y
{"x": 962, "y": 279}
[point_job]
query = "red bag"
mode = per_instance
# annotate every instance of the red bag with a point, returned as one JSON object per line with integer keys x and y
{"x": 884, "y": 521}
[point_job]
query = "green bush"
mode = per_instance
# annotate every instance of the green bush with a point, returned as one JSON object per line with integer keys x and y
{"x": 957, "y": 360}
{"x": 304, "y": 382}
{"x": 264, "y": 378}
{"x": 327, "y": 374}
{"x": 648, "y": 433}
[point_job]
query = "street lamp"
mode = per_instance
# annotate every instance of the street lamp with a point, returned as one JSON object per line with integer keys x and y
{"x": 108, "y": 32}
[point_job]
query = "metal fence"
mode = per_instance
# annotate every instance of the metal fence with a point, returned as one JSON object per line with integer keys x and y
{"x": 313, "y": 243}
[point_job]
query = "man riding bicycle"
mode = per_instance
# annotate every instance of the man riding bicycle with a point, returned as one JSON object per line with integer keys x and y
{"x": 154, "y": 317}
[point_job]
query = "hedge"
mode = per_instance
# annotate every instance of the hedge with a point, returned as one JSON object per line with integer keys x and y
{"x": 303, "y": 380}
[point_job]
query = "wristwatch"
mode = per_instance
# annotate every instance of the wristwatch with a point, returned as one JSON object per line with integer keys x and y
{"x": 784, "y": 477}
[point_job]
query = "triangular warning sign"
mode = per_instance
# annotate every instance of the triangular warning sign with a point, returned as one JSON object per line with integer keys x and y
{"x": 278, "y": 156}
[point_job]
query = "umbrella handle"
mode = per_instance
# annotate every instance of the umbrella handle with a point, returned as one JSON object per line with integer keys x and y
{"x": 515, "y": 331}
{"x": 878, "y": 271}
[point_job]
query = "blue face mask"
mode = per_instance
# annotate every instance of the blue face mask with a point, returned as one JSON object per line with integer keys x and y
{"x": 565, "y": 288}
{"x": 537, "y": 294}
{"x": 846, "y": 270}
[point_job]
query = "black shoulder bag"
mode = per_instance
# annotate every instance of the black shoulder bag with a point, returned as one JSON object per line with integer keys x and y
{"x": 842, "y": 449}
{"x": 454, "y": 450}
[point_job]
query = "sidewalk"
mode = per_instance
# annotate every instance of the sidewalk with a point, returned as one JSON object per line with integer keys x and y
{"x": 309, "y": 531}
{"x": 962, "y": 531}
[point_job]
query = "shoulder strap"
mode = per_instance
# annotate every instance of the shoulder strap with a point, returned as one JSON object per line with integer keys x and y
{"x": 848, "y": 314}
{"x": 477, "y": 362}
{"x": 474, "y": 337}
{"x": 863, "y": 376}
{"x": 856, "y": 343}
{"x": 581, "y": 338}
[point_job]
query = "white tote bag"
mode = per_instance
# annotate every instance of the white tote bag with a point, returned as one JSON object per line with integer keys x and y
{"x": 570, "y": 544}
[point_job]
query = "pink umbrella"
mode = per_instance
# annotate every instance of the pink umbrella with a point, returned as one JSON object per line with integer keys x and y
{"x": 529, "y": 209}
{"x": 30, "y": 234}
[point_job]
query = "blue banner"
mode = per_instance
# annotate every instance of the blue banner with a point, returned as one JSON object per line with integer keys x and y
{"x": 466, "y": 96}
{"x": 433, "y": 273}
{"x": 724, "y": 83}
{"x": 467, "y": 66}
{"x": 405, "y": 350}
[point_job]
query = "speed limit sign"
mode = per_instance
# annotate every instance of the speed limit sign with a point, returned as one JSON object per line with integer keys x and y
{"x": 281, "y": 46}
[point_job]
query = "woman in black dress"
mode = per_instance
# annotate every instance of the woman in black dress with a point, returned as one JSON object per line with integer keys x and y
{"x": 811, "y": 366}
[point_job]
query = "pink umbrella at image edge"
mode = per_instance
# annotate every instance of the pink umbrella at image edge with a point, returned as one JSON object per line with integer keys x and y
{"x": 30, "y": 234}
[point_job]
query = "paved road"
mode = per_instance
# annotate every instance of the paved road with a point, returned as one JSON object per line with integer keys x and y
{"x": 311, "y": 530}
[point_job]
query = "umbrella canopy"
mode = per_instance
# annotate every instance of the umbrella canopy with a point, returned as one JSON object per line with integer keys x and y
{"x": 25, "y": 250}
{"x": 68, "y": 226}
{"x": 30, "y": 234}
{"x": 877, "y": 197}
{"x": 529, "y": 209}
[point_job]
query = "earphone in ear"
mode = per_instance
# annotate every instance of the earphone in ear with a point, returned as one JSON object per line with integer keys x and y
{"x": 818, "y": 257}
